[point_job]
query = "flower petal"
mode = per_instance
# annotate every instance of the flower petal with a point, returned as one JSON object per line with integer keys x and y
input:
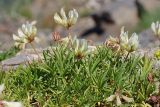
{"x": 16, "y": 38}
{"x": 63, "y": 14}
{"x": 20, "y": 33}
{"x": 133, "y": 41}
{"x": 123, "y": 36}
{"x": 111, "y": 98}
{"x": 57, "y": 19}
{"x": 153, "y": 26}
{"x": 118, "y": 101}
{"x": 127, "y": 99}
{"x": 70, "y": 14}
{"x": 75, "y": 16}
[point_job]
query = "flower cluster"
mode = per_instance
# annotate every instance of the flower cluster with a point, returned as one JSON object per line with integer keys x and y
{"x": 26, "y": 34}
{"x": 118, "y": 97}
{"x": 6, "y": 103}
{"x": 80, "y": 47}
{"x": 126, "y": 43}
{"x": 156, "y": 28}
{"x": 64, "y": 21}
{"x": 113, "y": 43}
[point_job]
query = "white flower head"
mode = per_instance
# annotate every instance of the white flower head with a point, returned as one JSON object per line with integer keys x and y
{"x": 12, "y": 104}
{"x": 80, "y": 46}
{"x": 111, "y": 98}
{"x": 26, "y": 34}
{"x": 126, "y": 43}
{"x": 124, "y": 36}
{"x": 117, "y": 98}
{"x": 156, "y": 28}
{"x": 65, "y": 21}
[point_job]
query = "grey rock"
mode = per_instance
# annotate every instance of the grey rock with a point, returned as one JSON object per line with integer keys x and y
{"x": 82, "y": 25}
{"x": 150, "y": 5}
{"x": 6, "y": 41}
{"x": 148, "y": 39}
{"x": 123, "y": 12}
{"x": 97, "y": 4}
{"x": 29, "y": 51}
{"x": 14, "y": 62}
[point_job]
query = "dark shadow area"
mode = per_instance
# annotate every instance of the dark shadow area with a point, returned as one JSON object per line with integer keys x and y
{"x": 141, "y": 10}
{"x": 104, "y": 17}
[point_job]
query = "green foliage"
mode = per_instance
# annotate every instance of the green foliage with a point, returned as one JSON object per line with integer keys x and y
{"x": 8, "y": 53}
{"x": 16, "y": 7}
{"x": 63, "y": 80}
{"x": 147, "y": 19}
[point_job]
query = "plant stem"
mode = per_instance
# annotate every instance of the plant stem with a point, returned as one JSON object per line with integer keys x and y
{"x": 69, "y": 35}
{"x": 69, "y": 31}
{"x": 36, "y": 51}
{"x": 127, "y": 56}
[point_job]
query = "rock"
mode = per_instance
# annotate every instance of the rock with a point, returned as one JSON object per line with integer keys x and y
{"x": 97, "y": 4}
{"x": 22, "y": 58}
{"x": 82, "y": 25}
{"x": 123, "y": 12}
{"x": 29, "y": 51}
{"x": 14, "y": 62}
{"x": 118, "y": 10}
{"x": 148, "y": 39}
{"x": 150, "y": 5}
{"x": 44, "y": 39}
{"x": 6, "y": 41}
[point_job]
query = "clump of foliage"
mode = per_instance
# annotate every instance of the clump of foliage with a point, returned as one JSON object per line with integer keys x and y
{"x": 64, "y": 80}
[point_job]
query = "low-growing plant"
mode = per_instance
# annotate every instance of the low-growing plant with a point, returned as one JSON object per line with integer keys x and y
{"x": 74, "y": 74}
{"x": 63, "y": 80}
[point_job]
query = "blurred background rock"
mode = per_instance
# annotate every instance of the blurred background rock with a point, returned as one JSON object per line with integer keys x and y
{"x": 98, "y": 18}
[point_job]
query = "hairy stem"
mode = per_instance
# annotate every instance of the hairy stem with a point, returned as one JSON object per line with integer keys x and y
{"x": 35, "y": 51}
{"x": 127, "y": 56}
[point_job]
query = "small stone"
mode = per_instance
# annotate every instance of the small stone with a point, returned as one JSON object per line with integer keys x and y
{"x": 148, "y": 40}
{"x": 14, "y": 62}
{"x": 150, "y": 5}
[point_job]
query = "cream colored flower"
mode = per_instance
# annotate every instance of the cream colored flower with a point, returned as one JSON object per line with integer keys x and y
{"x": 156, "y": 28}
{"x": 65, "y": 21}
{"x": 80, "y": 46}
{"x": 12, "y": 104}
{"x": 113, "y": 44}
{"x": 111, "y": 98}
{"x": 126, "y": 43}
{"x": 26, "y": 34}
{"x": 117, "y": 97}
